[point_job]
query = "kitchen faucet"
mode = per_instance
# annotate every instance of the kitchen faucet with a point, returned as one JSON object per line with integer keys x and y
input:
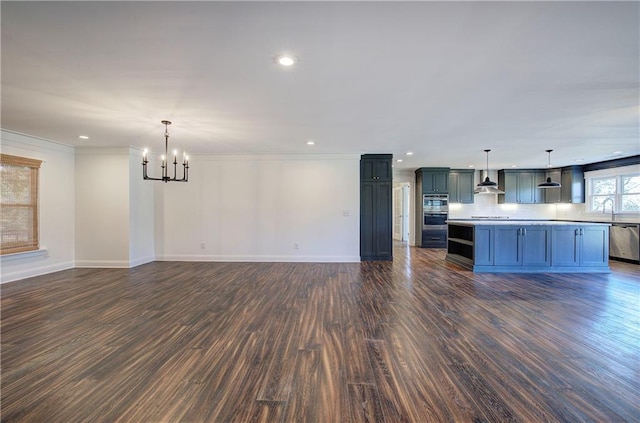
{"x": 604, "y": 208}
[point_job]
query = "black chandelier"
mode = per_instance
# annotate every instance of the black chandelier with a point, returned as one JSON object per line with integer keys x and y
{"x": 165, "y": 177}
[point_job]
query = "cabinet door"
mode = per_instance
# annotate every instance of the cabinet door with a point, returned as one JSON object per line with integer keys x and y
{"x": 483, "y": 245}
{"x": 536, "y": 244}
{"x": 376, "y": 237}
{"x": 454, "y": 193}
{"x": 383, "y": 220}
{"x": 528, "y": 191}
{"x": 368, "y": 202}
{"x": 465, "y": 188}
{"x": 525, "y": 188}
{"x": 507, "y": 246}
{"x": 435, "y": 182}
{"x": 383, "y": 170}
{"x": 594, "y": 248}
{"x": 552, "y": 195}
{"x": 565, "y": 246}
{"x": 572, "y": 180}
{"x": 510, "y": 183}
{"x": 461, "y": 187}
{"x": 375, "y": 170}
{"x": 441, "y": 182}
{"x": 538, "y": 193}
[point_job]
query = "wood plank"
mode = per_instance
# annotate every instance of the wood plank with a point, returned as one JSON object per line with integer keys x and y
{"x": 416, "y": 339}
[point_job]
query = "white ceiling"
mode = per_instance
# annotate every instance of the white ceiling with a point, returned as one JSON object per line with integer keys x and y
{"x": 442, "y": 79}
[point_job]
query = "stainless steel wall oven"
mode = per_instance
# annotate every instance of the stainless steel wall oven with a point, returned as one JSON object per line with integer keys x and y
{"x": 435, "y": 212}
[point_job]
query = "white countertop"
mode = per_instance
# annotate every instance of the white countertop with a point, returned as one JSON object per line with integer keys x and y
{"x": 471, "y": 222}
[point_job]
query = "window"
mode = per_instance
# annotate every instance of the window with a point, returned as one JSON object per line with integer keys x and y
{"x": 18, "y": 204}
{"x": 614, "y": 190}
{"x": 630, "y": 193}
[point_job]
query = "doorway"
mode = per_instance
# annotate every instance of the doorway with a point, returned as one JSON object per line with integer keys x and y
{"x": 401, "y": 207}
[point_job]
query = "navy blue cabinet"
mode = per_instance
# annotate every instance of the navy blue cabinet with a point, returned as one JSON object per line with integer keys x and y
{"x": 376, "y": 231}
{"x": 461, "y": 186}
{"x": 521, "y": 186}
{"x": 375, "y": 167}
{"x": 507, "y": 246}
{"x": 483, "y": 243}
{"x": 522, "y": 246}
{"x": 580, "y": 246}
{"x": 433, "y": 180}
{"x": 529, "y": 247}
{"x": 572, "y": 181}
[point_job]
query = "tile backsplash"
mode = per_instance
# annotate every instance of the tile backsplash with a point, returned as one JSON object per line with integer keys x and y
{"x": 487, "y": 205}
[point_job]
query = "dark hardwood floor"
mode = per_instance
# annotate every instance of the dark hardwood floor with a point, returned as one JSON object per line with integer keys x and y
{"x": 416, "y": 340}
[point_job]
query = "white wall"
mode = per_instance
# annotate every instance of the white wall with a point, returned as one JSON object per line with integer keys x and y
{"x": 141, "y": 203}
{"x": 56, "y": 207}
{"x": 102, "y": 207}
{"x": 255, "y": 208}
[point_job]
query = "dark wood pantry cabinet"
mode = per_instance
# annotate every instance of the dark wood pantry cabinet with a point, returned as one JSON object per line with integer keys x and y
{"x": 376, "y": 230}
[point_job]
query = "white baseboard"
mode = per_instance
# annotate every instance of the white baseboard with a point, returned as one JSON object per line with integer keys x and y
{"x": 38, "y": 271}
{"x": 257, "y": 259}
{"x": 122, "y": 264}
{"x": 108, "y": 264}
{"x": 141, "y": 260}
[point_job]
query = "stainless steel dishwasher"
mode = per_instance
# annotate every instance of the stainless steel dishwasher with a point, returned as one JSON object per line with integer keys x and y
{"x": 624, "y": 242}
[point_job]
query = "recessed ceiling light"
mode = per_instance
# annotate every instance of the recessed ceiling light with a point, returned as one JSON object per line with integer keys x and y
{"x": 399, "y": 160}
{"x": 409, "y": 153}
{"x": 617, "y": 153}
{"x": 514, "y": 165}
{"x": 83, "y": 137}
{"x": 310, "y": 142}
{"x": 579, "y": 160}
{"x": 471, "y": 166}
{"x": 286, "y": 60}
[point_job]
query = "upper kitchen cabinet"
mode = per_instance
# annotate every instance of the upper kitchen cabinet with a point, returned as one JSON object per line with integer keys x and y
{"x": 435, "y": 180}
{"x": 521, "y": 186}
{"x": 376, "y": 167}
{"x": 461, "y": 186}
{"x": 572, "y": 181}
{"x": 552, "y": 195}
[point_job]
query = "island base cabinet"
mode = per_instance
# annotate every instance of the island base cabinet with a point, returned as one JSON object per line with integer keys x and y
{"x": 507, "y": 246}
{"x": 522, "y": 246}
{"x": 580, "y": 246}
{"x": 594, "y": 246}
{"x": 553, "y": 248}
{"x": 483, "y": 246}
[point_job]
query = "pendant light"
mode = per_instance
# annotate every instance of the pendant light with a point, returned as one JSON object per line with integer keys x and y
{"x": 487, "y": 186}
{"x": 549, "y": 183}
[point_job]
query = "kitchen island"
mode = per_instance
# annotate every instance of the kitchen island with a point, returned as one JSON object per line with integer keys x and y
{"x": 526, "y": 246}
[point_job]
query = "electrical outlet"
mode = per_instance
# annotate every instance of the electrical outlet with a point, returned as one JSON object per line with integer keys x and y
{"x": 203, "y": 245}
{"x": 296, "y": 246}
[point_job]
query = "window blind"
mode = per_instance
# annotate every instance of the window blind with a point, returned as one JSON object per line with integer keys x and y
{"x": 18, "y": 204}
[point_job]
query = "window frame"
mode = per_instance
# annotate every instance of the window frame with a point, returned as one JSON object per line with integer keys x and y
{"x": 617, "y": 196}
{"x": 33, "y": 205}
